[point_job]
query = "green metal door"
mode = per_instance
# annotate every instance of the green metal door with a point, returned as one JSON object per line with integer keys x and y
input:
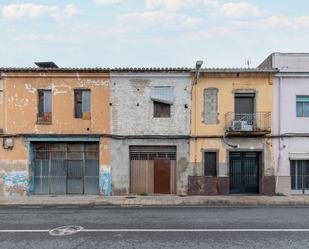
{"x": 244, "y": 173}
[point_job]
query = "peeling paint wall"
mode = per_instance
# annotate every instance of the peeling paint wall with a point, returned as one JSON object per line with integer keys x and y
{"x": 121, "y": 163}
{"x": 227, "y": 84}
{"x": 132, "y": 114}
{"x": 18, "y": 110}
{"x": 132, "y": 107}
{"x": 21, "y": 103}
{"x": 14, "y": 171}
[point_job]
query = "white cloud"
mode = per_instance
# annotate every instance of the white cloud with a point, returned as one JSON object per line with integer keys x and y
{"x": 108, "y": 2}
{"x": 31, "y": 11}
{"x": 275, "y": 22}
{"x": 71, "y": 10}
{"x": 211, "y": 4}
{"x": 240, "y": 9}
{"x": 210, "y": 33}
{"x": 170, "y": 5}
{"x": 160, "y": 18}
{"x": 40, "y": 37}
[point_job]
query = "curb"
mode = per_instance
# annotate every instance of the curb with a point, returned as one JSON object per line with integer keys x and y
{"x": 154, "y": 202}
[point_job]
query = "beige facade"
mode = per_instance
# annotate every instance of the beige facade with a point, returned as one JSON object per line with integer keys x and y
{"x": 214, "y": 134}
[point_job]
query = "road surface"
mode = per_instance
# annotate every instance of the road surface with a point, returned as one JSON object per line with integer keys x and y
{"x": 156, "y": 227}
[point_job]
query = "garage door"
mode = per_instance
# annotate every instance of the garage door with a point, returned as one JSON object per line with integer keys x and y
{"x": 153, "y": 169}
{"x": 66, "y": 168}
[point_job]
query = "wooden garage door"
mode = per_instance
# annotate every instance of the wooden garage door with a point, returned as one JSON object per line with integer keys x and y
{"x": 152, "y": 169}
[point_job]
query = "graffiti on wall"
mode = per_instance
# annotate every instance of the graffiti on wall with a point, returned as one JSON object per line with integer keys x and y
{"x": 105, "y": 183}
{"x": 15, "y": 182}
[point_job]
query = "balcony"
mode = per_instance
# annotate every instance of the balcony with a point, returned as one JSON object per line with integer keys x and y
{"x": 247, "y": 124}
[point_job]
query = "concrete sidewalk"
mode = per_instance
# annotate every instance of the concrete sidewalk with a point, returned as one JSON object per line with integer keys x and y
{"x": 50, "y": 201}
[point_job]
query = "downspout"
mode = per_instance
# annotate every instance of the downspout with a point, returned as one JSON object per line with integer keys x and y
{"x": 197, "y": 76}
{"x": 198, "y": 67}
{"x": 279, "y": 132}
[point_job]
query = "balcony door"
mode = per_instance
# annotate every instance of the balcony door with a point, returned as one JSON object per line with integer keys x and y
{"x": 244, "y": 107}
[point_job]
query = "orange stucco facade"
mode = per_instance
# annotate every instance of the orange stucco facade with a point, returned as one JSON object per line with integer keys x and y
{"x": 19, "y": 109}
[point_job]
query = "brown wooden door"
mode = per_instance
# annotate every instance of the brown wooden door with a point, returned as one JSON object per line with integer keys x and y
{"x": 162, "y": 176}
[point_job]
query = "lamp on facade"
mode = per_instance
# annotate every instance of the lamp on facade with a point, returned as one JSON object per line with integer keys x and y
{"x": 198, "y": 66}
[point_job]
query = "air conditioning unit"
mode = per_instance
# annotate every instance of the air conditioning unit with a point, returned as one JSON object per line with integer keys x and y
{"x": 241, "y": 126}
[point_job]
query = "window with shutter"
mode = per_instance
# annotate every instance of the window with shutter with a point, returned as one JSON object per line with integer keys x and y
{"x": 44, "y": 106}
{"x": 82, "y": 103}
{"x": 161, "y": 110}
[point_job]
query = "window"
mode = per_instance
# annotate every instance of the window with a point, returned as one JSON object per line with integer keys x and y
{"x": 44, "y": 106}
{"x": 210, "y": 164}
{"x": 302, "y": 106}
{"x": 161, "y": 110}
{"x": 82, "y": 104}
{"x": 163, "y": 98}
{"x": 299, "y": 175}
{"x": 244, "y": 102}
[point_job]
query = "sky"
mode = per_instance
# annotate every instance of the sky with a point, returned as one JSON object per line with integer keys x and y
{"x": 150, "y": 33}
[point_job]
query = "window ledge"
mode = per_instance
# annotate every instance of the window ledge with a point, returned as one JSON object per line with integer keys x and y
{"x": 44, "y": 122}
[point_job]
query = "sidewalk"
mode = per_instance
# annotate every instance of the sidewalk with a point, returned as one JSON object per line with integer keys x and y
{"x": 92, "y": 201}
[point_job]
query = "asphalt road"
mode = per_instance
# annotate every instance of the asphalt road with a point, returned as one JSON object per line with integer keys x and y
{"x": 157, "y": 227}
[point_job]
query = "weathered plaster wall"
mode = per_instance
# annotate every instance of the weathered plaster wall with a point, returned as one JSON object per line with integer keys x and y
{"x": 18, "y": 110}
{"x": 132, "y": 108}
{"x": 132, "y": 114}
{"x": 14, "y": 170}
{"x": 251, "y": 144}
{"x": 21, "y": 103}
{"x": 121, "y": 163}
{"x": 227, "y": 85}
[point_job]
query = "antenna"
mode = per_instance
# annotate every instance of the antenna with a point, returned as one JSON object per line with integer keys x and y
{"x": 248, "y": 63}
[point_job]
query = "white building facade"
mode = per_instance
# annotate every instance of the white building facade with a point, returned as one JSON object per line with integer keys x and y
{"x": 291, "y": 121}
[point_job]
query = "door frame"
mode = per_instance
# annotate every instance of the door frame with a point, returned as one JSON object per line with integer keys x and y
{"x": 260, "y": 166}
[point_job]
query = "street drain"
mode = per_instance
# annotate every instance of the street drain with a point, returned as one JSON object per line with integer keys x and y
{"x": 65, "y": 230}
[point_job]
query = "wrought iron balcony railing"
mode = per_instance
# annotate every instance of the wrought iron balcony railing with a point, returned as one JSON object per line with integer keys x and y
{"x": 257, "y": 122}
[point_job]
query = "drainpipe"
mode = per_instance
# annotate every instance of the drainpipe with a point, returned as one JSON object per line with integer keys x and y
{"x": 198, "y": 67}
{"x": 279, "y": 132}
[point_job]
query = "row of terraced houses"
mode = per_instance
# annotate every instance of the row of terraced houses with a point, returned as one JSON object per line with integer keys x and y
{"x": 178, "y": 131}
